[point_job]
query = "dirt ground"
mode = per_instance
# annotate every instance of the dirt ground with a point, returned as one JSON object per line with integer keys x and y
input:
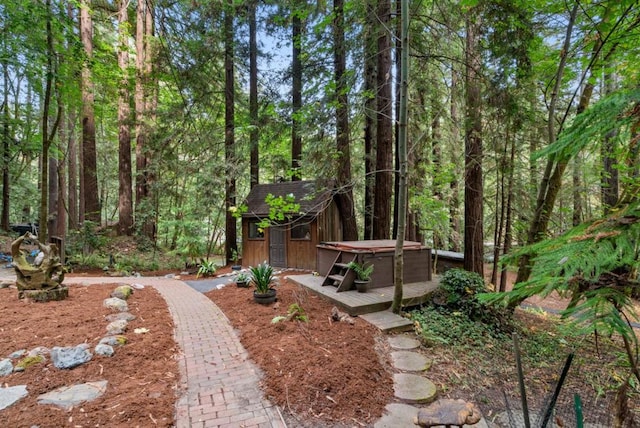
{"x": 142, "y": 375}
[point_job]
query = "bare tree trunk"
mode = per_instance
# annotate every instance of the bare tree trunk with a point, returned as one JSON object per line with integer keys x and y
{"x": 89, "y": 156}
{"x": 230, "y": 245}
{"x": 508, "y": 233}
{"x": 72, "y": 170}
{"x": 396, "y": 305}
{"x": 345, "y": 187}
{"x": 6, "y": 153}
{"x": 370, "y": 76}
{"x": 254, "y": 135}
{"x": 125, "y": 191}
{"x": 296, "y": 93}
{"x": 454, "y": 204}
{"x": 473, "y": 192}
{"x": 384, "y": 137}
{"x": 145, "y": 216}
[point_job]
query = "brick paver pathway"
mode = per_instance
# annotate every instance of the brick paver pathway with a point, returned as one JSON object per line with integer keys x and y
{"x": 220, "y": 385}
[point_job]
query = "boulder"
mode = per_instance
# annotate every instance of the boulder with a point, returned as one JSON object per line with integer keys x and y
{"x": 70, "y": 357}
{"x": 127, "y": 316}
{"x": 113, "y": 340}
{"x": 116, "y": 304}
{"x": 104, "y": 350}
{"x": 6, "y": 367}
{"x": 11, "y": 394}
{"x": 448, "y": 412}
{"x": 122, "y": 292}
{"x": 117, "y": 327}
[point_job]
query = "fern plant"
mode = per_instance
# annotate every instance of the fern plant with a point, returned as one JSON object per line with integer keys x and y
{"x": 363, "y": 271}
{"x": 596, "y": 266}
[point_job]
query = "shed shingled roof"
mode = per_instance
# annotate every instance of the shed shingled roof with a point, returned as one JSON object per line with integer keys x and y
{"x": 311, "y": 196}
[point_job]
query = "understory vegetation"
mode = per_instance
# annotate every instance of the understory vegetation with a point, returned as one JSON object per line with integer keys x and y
{"x": 472, "y": 345}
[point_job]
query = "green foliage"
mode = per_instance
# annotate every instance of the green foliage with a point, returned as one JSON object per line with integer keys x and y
{"x": 460, "y": 289}
{"x": 294, "y": 313}
{"x": 362, "y": 271}
{"x": 243, "y": 277}
{"x": 207, "y": 268}
{"x": 262, "y": 277}
{"x": 86, "y": 240}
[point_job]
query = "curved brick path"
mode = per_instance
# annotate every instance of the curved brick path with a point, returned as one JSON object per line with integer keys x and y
{"x": 220, "y": 385}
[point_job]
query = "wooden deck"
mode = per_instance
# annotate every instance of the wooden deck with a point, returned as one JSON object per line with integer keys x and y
{"x": 375, "y": 300}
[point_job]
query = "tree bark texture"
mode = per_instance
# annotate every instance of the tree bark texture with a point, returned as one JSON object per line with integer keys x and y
{"x": 125, "y": 190}
{"x": 345, "y": 188}
{"x": 89, "y": 155}
{"x": 254, "y": 134}
{"x": 6, "y": 153}
{"x": 384, "y": 133}
{"x": 296, "y": 94}
{"x": 230, "y": 245}
{"x": 473, "y": 192}
{"x": 370, "y": 129}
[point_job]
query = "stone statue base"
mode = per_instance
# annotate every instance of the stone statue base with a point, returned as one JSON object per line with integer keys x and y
{"x": 52, "y": 294}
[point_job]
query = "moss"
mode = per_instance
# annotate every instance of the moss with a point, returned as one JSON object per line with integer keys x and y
{"x": 29, "y": 361}
{"x": 121, "y": 340}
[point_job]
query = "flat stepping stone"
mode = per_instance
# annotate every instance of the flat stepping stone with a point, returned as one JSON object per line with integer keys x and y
{"x": 413, "y": 389}
{"x": 403, "y": 342}
{"x": 10, "y": 395}
{"x": 410, "y": 361}
{"x": 397, "y": 415}
{"x": 68, "y": 396}
{"x": 388, "y": 322}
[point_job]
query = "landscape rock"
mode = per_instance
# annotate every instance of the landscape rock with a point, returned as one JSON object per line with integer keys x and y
{"x": 6, "y": 283}
{"x": 127, "y": 316}
{"x": 17, "y": 354}
{"x": 116, "y": 304}
{"x": 39, "y": 350}
{"x": 11, "y": 394}
{"x": 68, "y": 396}
{"x": 122, "y": 292}
{"x": 397, "y": 415}
{"x": 104, "y": 350}
{"x": 448, "y": 412}
{"x": 117, "y": 327}
{"x": 113, "y": 340}
{"x": 6, "y": 367}
{"x": 137, "y": 286}
{"x": 170, "y": 276}
{"x": 70, "y": 357}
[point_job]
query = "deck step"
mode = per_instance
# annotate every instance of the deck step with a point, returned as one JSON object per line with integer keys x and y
{"x": 387, "y": 321}
{"x": 336, "y": 277}
{"x": 342, "y": 265}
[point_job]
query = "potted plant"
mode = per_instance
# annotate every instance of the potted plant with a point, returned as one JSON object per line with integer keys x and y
{"x": 242, "y": 280}
{"x": 363, "y": 275}
{"x": 262, "y": 278}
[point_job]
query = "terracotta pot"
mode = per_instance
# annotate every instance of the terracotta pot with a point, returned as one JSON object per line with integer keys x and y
{"x": 362, "y": 286}
{"x": 265, "y": 298}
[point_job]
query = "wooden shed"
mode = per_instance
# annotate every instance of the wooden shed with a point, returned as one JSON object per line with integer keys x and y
{"x": 291, "y": 242}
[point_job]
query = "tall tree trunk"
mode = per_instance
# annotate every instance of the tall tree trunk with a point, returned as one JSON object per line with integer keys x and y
{"x": 384, "y": 132}
{"x": 125, "y": 190}
{"x": 72, "y": 171}
{"x": 43, "y": 233}
{"x": 6, "y": 153}
{"x": 550, "y": 184}
{"x": 345, "y": 188}
{"x": 370, "y": 130}
{"x": 230, "y": 245}
{"x": 454, "y": 204}
{"x": 89, "y": 155}
{"x": 145, "y": 216}
{"x": 402, "y": 194}
{"x": 508, "y": 233}
{"x": 296, "y": 94}
{"x": 473, "y": 191}
{"x": 254, "y": 135}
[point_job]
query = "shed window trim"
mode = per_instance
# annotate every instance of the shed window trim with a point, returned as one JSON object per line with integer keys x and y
{"x": 301, "y": 232}
{"x": 254, "y": 232}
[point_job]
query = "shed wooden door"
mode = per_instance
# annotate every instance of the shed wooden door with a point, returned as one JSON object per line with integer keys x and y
{"x": 277, "y": 247}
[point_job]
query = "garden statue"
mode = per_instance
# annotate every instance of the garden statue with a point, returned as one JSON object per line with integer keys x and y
{"x": 40, "y": 280}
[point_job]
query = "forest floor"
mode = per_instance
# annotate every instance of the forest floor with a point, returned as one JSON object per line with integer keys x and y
{"x": 320, "y": 373}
